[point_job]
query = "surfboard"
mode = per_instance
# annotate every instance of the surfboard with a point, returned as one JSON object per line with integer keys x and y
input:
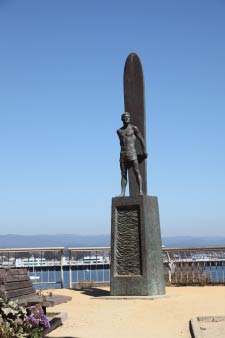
{"x": 134, "y": 103}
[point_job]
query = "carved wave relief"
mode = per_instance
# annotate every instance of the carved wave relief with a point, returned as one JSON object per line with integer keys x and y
{"x": 128, "y": 243}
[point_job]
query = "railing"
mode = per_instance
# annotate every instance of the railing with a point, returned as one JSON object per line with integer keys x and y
{"x": 85, "y": 267}
{"x": 45, "y": 265}
{"x": 185, "y": 266}
{"x": 89, "y": 266}
{"x": 190, "y": 266}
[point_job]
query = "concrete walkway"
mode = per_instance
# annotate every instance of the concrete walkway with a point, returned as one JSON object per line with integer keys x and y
{"x": 208, "y": 327}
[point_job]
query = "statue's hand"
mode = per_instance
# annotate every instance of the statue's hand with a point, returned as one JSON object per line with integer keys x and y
{"x": 145, "y": 155}
{"x": 142, "y": 157}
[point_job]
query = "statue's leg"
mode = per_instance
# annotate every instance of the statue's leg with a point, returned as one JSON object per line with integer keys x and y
{"x": 123, "y": 169}
{"x": 137, "y": 175}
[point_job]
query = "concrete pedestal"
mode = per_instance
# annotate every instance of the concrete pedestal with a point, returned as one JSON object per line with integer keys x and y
{"x": 136, "y": 262}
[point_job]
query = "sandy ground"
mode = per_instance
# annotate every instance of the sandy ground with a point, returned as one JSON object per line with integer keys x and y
{"x": 92, "y": 317}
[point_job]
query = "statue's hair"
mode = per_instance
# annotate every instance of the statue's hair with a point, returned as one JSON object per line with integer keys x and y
{"x": 125, "y": 113}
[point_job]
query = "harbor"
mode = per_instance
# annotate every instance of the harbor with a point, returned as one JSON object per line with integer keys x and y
{"x": 74, "y": 268}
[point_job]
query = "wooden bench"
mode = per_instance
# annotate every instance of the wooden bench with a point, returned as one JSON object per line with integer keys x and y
{"x": 15, "y": 284}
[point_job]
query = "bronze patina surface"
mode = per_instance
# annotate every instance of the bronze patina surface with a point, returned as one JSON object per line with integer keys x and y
{"x": 136, "y": 262}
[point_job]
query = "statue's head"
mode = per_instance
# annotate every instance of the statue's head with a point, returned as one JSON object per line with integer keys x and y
{"x": 125, "y": 117}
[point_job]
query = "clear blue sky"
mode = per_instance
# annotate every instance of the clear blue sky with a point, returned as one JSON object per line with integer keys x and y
{"x": 61, "y": 97}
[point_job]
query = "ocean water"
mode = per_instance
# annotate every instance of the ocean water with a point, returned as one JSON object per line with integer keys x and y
{"x": 87, "y": 275}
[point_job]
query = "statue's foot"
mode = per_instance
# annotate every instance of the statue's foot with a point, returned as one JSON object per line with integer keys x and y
{"x": 141, "y": 193}
{"x": 122, "y": 194}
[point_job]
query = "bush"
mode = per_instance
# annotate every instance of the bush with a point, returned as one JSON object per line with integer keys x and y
{"x": 19, "y": 322}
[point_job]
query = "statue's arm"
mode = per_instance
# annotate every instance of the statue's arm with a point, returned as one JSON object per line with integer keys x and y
{"x": 141, "y": 139}
{"x": 119, "y": 135}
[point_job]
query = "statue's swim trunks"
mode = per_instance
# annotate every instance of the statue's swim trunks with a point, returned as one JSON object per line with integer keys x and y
{"x": 127, "y": 156}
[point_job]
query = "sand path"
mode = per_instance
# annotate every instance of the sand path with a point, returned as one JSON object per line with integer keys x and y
{"x": 92, "y": 317}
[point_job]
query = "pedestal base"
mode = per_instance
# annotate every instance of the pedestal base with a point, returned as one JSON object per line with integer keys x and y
{"x": 136, "y": 262}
